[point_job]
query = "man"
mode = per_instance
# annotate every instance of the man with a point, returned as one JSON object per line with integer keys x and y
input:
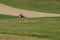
{"x": 21, "y": 15}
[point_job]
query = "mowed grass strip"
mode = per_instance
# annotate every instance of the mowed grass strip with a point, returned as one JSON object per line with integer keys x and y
{"x": 52, "y": 6}
{"x": 48, "y": 27}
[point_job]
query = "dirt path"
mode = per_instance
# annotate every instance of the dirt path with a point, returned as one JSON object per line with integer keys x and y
{"x": 7, "y": 10}
{"x": 15, "y": 37}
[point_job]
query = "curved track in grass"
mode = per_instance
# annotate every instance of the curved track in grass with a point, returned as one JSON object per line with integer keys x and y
{"x": 7, "y": 10}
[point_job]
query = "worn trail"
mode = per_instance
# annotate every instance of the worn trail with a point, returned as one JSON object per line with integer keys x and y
{"x": 7, "y": 10}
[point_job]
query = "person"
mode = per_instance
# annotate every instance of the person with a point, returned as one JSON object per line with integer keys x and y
{"x": 21, "y": 15}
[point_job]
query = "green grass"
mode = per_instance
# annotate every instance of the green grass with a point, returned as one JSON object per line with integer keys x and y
{"x": 52, "y": 6}
{"x": 6, "y": 17}
{"x": 48, "y": 27}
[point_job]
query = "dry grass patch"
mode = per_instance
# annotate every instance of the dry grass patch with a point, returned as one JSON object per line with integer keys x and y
{"x": 15, "y": 37}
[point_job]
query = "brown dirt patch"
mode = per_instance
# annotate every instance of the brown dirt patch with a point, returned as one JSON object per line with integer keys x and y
{"x": 7, "y": 10}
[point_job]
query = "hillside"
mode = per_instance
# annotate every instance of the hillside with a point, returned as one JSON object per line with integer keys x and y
{"x": 52, "y": 6}
{"x": 31, "y": 28}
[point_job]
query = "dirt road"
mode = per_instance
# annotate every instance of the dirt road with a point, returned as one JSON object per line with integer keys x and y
{"x": 7, "y": 10}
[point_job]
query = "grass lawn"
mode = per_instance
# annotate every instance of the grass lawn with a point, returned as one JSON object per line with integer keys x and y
{"x": 48, "y": 27}
{"x": 52, "y": 6}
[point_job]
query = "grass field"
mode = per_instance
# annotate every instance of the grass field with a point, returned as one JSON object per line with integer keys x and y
{"x": 35, "y": 27}
{"x": 52, "y": 6}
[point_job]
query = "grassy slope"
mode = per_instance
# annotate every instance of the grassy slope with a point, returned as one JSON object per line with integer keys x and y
{"x": 36, "y": 5}
{"x": 3, "y": 17}
{"x": 36, "y": 27}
